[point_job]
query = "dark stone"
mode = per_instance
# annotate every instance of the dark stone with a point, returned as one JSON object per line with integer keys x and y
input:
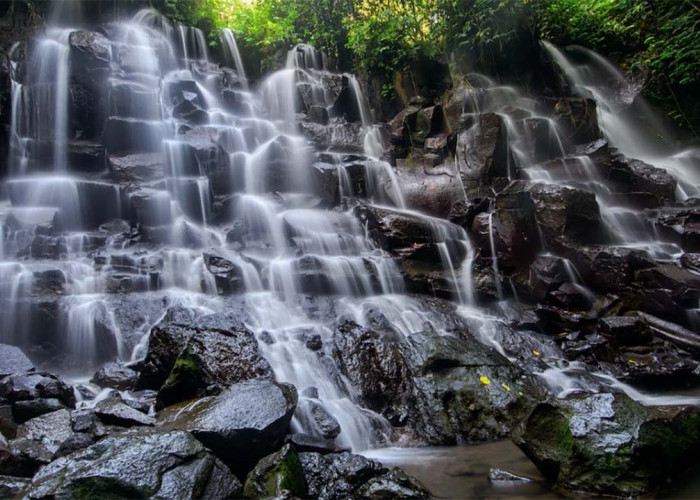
{"x": 116, "y": 376}
{"x": 275, "y": 475}
{"x": 306, "y": 443}
{"x": 131, "y": 135}
{"x": 564, "y": 211}
{"x": 13, "y": 360}
{"x": 21, "y": 387}
{"x": 324, "y": 423}
{"x": 136, "y": 168}
{"x": 241, "y": 425}
{"x": 113, "y": 412}
{"x": 26, "y": 410}
{"x": 163, "y": 464}
{"x": 608, "y": 444}
{"x": 74, "y": 443}
{"x": 344, "y": 475}
{"x": 201, "y": 357}
{"x": 578, "y": 119}
{"x": 482, "y": 151}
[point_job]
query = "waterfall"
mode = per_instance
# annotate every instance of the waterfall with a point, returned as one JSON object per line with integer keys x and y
{"x": 232, "y": 54}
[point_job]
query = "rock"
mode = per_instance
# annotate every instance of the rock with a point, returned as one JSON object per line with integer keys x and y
{"x": 156, "y": 464}
{"x": 667, "y": 330}
{"x": 133, "y": 99}
{"x": 131, "y": 135}
{"x": 11, "y": 487}
{"x": 679, "y": 225}
{"x": 625, "y": 330}
{"x": 344, "y": 475}
{"x": 275, "y": 475}
{"x": 37, "y": 441}
{"x": 186, "y": 359}
{"x": 113, "y": 412}
{"x": 26, "y": 410}
{"x": 228, "y": 275}
{"x": 84, "y": 156}
{"x": 22, "y": 387}
{"x": 578, "y": 119}
{"x": 683, "y": 284}
{"x": 135, "y": 168}
{"x": 316, "y": 416}
{"x": 241, "y": 425}
{"x": 482, "y": 151}
{"x": 77, "y": 441}
{"x": 116, "y": 376}
{"x": 306, "y": 443}
{"x": 502, "y": 476}
{"x": 13, "y": 360}
{"x": 640, "y": 176}
{"x": 608, "y": 444}
{"x": 565, "y": 211}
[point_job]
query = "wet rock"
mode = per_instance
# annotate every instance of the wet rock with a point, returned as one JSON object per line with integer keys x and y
{"x": 503, "y": 476}
{"x": 133, "y": 99}
{"x": 164, "y": 464}
{"x": 11, "y": 487}
{"x": 136, "y": 168}
{"x": 114, "y": 412}
{"x": 680, "y": 225}
{"x": 672, "y": 332}
{"x": 403, "y": 124}
{"x": 683, "y": 285}
{"x": 565, "y": 211}
{"x": 13, "y": 360}
{"x": 241, "y": 425}
{"x": 306, "y": 443}
{"x": 608, "y": 443}
{"x": 115, "y": 375}
{"x": 643, "y": 177}
{"x": 187, "y": 360}
{"x": 555, "y": 320}
{"x": 625, "y": 330}
{"x": 131, "y": 135}
{"x": 482, "y": 151}
{"x": 327, "y": 426}
{"x": 74, "y": 443}
{"x": 343, "y": 475}
{"x": 22, "y": 387}
{"x": 578, "y": 119}
{"x": 228, "y": 275}
{"x": 275, "y": 475}
{"x": 427, "y": 186}
{"x": 85, "y": 156}
{"x": 37, "y": 441}
{"x": 89, "y": 50}
{"x": 26, "y": 410}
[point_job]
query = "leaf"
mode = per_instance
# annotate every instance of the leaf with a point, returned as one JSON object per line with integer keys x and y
{"x": 484, "y": 380}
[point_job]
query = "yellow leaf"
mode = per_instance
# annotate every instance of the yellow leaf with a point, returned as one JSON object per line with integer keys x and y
{"x": 632, "y": 362}
{"x": 520, "y": 393}
{"x": 536, "y": 353}
{"x": 484, "y": 380}
{"x": 505, "y": 387}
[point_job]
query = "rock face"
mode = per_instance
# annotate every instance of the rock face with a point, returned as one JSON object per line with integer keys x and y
{"x": 608, "y": 444}
{"x": 240, "y": 425}
{"x": 164, "y": 465}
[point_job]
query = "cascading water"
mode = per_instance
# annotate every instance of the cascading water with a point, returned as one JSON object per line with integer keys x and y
{"x": 215, "y": 170}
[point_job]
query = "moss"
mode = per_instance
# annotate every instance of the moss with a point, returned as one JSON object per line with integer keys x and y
{"x": 186, "y": 378}
{"x": 104, "y": 488}
{"x": 276, "y": 473}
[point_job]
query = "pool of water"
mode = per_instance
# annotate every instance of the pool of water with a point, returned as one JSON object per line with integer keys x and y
{"x": 462, "y": 471}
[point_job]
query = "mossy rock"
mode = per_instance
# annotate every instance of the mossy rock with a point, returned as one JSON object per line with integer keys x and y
{"x": 275, "y": 474}
{"x": 186, "y": 380}
{"x": 608, "y": 443}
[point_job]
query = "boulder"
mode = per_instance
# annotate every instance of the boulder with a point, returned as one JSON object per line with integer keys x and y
{"x": 195, "y": 358}
{"x": 565, "y": 211}
{"x": 577, "y": 118}
{"x": 143, "y": 465}
{"x": 608, "y": 444}
{"x": 13, "y": 360}
{"x": 131, "y": 135}
{"x": 111, "y": 411}
{"x": 276, "y": 475}
{"x": 134, "y": 100}
{"x": 640, "y": 176}
{"x": 482, "y": 151}
{"x": 241, "y": 425}
{"x": 344, "y": 475}
{"x": 26, "y": 410}
{"x": 135, "y": 168}
{"x": 22, "y": 387}
{"x": 116, "y": 376}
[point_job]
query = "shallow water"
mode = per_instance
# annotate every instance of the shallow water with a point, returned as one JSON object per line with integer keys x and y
{"x": 462, "y": 471}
